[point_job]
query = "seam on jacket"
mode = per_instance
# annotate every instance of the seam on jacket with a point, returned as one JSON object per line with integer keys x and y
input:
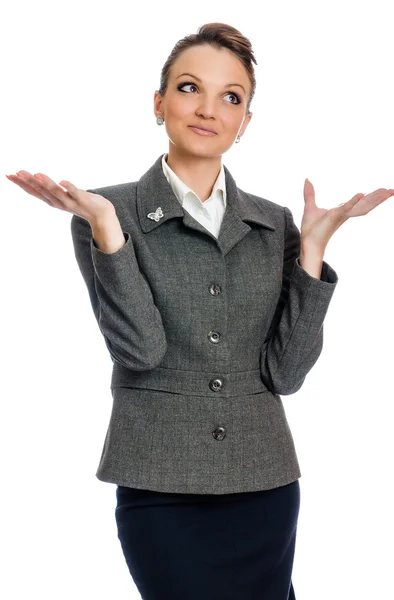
{"x": 288, "y": 300}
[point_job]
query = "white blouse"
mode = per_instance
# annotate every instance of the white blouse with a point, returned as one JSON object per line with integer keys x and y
{"x": 209, "y": 213}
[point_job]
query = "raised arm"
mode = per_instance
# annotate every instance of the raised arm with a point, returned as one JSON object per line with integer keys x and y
{"x": 120, "y": 296}
{"x": 295, "y": 338}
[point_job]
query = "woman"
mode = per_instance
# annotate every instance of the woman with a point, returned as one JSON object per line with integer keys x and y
{"x": 211, "y": 303}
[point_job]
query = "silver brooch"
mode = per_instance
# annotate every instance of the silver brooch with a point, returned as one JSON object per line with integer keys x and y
{"x": 157, "y": 215}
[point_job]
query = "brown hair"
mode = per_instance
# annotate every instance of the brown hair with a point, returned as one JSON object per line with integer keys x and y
{"x": 217, "y": 35}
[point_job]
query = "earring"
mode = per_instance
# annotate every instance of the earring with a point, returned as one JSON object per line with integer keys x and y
{"x": 160, "y": 120}
{"x": 238, "y": 139}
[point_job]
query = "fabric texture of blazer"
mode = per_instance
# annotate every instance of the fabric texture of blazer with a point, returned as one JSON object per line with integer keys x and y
{"x": 205, "y": 334}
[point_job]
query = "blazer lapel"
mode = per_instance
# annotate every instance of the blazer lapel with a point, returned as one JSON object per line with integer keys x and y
{"x": 154, "y": 192}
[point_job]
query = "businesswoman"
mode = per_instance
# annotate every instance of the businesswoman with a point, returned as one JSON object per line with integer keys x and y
{"x": 211, "y": 303}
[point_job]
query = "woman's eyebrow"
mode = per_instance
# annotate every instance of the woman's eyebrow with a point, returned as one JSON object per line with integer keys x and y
{"x": 198, "y": 79}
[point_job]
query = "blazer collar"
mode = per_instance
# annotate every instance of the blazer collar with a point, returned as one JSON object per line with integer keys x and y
{"x": 154, "y": 192}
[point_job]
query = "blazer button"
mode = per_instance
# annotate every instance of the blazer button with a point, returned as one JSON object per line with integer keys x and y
{"x": 214, "y": 289}
{"x": 216, "y": 385}
{"x": 219, "y": 433}
{"x": 214, "y": 337}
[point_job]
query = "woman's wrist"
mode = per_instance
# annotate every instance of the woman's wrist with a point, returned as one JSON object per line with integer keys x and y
{"x": 311, "y": 260}
{"x": 107, "y": 232}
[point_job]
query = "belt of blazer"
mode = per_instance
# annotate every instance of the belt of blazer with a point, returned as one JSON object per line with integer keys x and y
{"x": 205, "y": 334}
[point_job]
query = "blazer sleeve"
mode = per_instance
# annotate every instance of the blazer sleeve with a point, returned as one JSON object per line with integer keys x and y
{"x": 121, "y": 299}
{"x": 295, "y": 338}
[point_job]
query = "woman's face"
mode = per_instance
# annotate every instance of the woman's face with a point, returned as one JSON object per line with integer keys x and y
{"x": 204, "y": 97}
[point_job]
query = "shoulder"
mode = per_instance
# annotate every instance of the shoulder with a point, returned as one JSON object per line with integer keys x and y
{"x": 270, "y": 205}
{"x": 118, "y": 191}
{"x": 275, "y": 213}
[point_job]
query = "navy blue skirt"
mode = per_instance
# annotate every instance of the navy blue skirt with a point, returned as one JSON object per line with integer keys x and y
{"x": 208, "y": 546}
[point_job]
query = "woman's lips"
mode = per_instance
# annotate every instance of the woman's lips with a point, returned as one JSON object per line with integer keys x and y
{"x": 201, "y": 131}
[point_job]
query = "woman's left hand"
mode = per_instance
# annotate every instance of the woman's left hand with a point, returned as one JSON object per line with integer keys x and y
{"x": 319, "y": 224}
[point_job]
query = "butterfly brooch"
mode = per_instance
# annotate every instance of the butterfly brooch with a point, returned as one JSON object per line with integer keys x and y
{"x": 157, "y": 215}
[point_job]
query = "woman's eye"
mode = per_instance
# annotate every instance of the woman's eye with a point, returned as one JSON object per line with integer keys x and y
{"x": 185, "y": 84}
{"x": 180, "y": 87}
{"x": 235, "y": 96}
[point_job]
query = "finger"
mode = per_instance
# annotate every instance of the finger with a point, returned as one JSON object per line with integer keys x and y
{"x": 350, "y": 203}
{"x": 52, "y": 190}
{"x": 366, "y": 202}
{"x": 378, "y": 196}
{"x": 46, "y": 188}
{"x": 38, "y": 183}
{"x": 27, "y": 188}
{"x": 58, "y": 193}
{"x": 71, "y": 189}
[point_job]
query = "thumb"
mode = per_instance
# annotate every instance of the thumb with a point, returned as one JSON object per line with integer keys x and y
{"x": 309, "y": 193}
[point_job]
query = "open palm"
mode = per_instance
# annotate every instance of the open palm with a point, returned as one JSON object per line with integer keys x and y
{"x": 319, "y": 224}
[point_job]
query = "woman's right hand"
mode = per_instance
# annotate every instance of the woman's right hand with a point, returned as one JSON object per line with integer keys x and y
{"x": 87, "y": 205}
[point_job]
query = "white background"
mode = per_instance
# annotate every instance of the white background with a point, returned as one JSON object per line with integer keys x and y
{"x": 77, "y": 103}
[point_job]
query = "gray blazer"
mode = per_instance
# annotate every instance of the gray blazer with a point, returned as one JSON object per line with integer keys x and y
{"x": 204, "y": 335}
